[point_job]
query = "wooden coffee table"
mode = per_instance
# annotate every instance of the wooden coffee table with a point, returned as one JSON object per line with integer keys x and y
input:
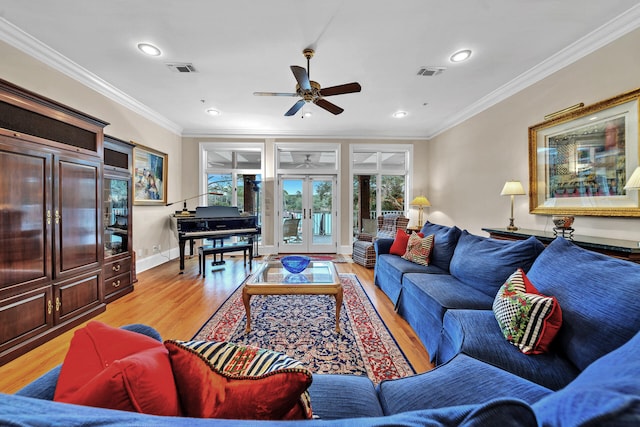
{"x": 319, "y": 278}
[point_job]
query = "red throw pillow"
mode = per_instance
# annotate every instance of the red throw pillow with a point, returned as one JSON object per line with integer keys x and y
{"x": 114, "y": 368}
{"x": 399, "y": 246}
{"x": 225, "y": 380}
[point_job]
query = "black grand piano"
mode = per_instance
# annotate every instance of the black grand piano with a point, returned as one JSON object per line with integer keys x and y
{"x": 212, "y": 222}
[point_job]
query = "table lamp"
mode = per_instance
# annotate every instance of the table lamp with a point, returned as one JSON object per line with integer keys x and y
{"x": 633, "y": 183}
{"x": 512, "y": 188}
{"x": 420, "y": 202}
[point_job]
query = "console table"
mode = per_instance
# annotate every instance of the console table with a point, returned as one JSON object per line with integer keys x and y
{"x": 618, "y": 248}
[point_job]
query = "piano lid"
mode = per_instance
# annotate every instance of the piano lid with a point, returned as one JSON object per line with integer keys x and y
{"x": 217, "y": 211}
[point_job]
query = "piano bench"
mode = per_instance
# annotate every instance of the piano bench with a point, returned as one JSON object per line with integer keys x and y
{"x": 203, "y": 251}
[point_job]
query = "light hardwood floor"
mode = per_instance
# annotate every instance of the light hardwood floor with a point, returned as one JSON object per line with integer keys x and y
{"x": 178, "y": 304}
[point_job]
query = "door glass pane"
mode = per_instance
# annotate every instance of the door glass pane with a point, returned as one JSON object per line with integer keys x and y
{"x": 223, "y": 185}
{"x": 321, "y": 212}
{"x": 392, "y": 192}
{"x": 364, "y": 204}
{"x": 292, "y": 211}
{"x": 116, "y": 216}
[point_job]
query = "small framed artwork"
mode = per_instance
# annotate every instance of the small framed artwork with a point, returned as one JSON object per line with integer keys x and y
{"x": 149, "y": 176}
{"x": 579, "y": 162}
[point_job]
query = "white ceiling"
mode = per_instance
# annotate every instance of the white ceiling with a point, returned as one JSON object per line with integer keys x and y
{"x": 242, "y": 46}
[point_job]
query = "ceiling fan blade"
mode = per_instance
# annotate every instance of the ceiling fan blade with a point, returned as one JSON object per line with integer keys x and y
{"x": 274, "y": 94}
{"x": 298, "y": 105}
{"x": 332, "y": 108}
{"x": 301, "y": 76}
{"x": 341, "y": 89}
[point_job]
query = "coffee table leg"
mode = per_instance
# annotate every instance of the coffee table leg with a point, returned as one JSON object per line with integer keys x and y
{"x": 246, "y": 298}
{"x": 339, "y": 295}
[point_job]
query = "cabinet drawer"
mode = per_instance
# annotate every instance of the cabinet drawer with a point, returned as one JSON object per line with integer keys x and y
{"x": 116, "y": 268}
{"x": 116, "y": 283}
{"x": 73, "y": 297}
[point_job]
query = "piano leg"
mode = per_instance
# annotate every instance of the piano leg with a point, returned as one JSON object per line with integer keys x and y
{"x": 181, "y": 245}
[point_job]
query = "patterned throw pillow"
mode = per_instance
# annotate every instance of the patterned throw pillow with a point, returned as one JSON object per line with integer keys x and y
{"x": 528, "y": 319}
{"x": 419, "y": 249}
{"x": 225, "y": 380}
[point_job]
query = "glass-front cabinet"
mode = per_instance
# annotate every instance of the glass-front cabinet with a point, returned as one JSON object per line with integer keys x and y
{"x": 116, "y": 216}
{"x": 119, "y": 262}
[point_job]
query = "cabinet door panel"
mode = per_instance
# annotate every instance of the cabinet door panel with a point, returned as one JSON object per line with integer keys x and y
{"x": 25, "y": 245}
{"x": 74, "y": 297}
{"x": 79, "y": 238}
{"x": 24, "y": 316}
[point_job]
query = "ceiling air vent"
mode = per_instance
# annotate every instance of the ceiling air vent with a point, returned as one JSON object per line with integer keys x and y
{"x": 182, "y": 67}
{"x": 430, "y": 71}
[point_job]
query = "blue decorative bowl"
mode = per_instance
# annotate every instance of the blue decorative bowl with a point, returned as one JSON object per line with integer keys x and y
{"x": 295, "y": 263}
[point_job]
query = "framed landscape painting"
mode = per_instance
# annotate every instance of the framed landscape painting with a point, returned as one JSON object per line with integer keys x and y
{"x": 579, "y": 162}
{"x": 149, "y": 176}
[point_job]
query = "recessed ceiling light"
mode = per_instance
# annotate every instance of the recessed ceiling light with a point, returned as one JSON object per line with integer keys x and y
{"x": 460, "y": 55}
{"x": 213, "y": 112}
{"x": 149, "y": 49}
{"x": 400, "y": 114}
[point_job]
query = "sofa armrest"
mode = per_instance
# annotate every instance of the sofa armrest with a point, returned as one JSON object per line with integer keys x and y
{"x": 382, "y": 246}
{"x": 461, "y": 381}
{"x": 44, "y": 387}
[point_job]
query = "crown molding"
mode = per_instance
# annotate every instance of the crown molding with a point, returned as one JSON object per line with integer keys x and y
{"x": 28, "y": 44}
{"x": 605, "y": 34}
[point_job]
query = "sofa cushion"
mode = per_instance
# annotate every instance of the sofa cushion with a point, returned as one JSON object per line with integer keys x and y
{"x": 224, "y": 380}
{"x": 426, "y": 297}
{"x": 527, "y": 319}
{"x": 484, "y": 263}
{"x": 606, "y": 393}
{"x": 337, "y": 396}
{"x": 445, "y": 240}
{"x": 390, "y": 269}
{"x": 419, "y": 249}
{"x": 477, "y": 334}
{"x": 593, "y": 290}
{"x": 118, "y": 369}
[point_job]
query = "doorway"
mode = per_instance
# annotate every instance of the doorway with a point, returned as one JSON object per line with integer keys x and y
{"x": 308, "y": 214}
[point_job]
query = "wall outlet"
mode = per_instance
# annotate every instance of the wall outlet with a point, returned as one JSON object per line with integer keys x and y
{"x": 156, "y": 249}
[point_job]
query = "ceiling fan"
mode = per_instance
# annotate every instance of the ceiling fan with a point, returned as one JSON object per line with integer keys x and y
{"x": 311, "y": 91}
{"x": 307, "y": 162}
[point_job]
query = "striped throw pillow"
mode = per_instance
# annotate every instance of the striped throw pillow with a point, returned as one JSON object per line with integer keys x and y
{"x": 528, "y": 319}
{"x": 419, "y": 249}
{"x": 225, "y": 380}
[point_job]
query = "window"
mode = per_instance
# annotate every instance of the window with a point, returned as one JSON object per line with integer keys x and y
{"x": 233, "y": 176}
{"x": 380, "y": 181}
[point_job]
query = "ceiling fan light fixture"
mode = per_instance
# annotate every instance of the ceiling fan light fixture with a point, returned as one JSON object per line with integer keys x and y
{"x": 149, "y": 49}
{"x": 461, "y": 55}
{"x": 212, "y": 112}
{"x": 307, "y": 114}
{"x": 399, "y": 114}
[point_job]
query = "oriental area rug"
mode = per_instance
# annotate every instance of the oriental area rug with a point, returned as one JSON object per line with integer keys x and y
{"x": 303, "y": 327}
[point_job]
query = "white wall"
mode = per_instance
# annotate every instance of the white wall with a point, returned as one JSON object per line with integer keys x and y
{"x": 150, "y": 223}
{"x": 469, "y": 163}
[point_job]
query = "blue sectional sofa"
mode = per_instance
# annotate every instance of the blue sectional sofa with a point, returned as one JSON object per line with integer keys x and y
{"x": 590, "y": 376}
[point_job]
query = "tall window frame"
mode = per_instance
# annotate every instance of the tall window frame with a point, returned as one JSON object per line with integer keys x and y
{"x": 242, "y": 165}
{"x": 376, "y": 166}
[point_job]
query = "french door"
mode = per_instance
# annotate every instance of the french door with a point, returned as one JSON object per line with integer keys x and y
{"x": 307, "y": 214}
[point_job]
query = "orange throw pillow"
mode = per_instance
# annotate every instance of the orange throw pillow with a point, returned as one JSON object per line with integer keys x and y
{"x": 225, "y": 380}
{"x": 113, "y": 368}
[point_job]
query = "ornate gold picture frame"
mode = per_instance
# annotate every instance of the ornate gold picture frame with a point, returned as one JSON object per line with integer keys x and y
{"x": 579, "y": 161}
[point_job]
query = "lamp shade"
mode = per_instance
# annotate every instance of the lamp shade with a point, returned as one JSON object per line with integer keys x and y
{"x": 512, "y": 188}
{"x": 634, "y": 180}
{"x": 420, "y": 201}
